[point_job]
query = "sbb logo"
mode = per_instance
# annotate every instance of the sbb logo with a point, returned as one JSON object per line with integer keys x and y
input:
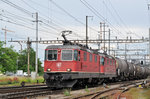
{"x": 58, "y": 65}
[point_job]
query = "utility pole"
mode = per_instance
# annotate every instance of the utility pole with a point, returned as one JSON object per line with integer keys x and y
{"x": 104, "y": 34}
{"x": 125, "y": 51}
{"x": 101, "y": 31}
{"x": 100, "y": 35}
{"x": 87, "y": 30}
{"x": 149, "y": 34}
{"x": 109, "y": 42}
{"x": 20, "y": 46}
{"x": 6, "y": 30}
{"x": 149, "y": 45}
{"x": 28, "y": 50}
{"x": 36, "y": 55}
{"x": 36, "y": 61}
{"x": 98, "y": 39}
{"x": 114, "y": 52}
{"x": 144, "y": 59}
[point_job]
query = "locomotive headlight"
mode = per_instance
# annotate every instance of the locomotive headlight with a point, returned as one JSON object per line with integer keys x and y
{"x": 68, "y": 70}
{"x": 49, "y": 69}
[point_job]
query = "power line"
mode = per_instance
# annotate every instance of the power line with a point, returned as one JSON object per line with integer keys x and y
{"x": 119, "y": 25}
{"x": 47, "y": 20}
{"x": 19, "y": 24}
{"x": 47, "y": 24}
{"x": 70, "y": 15}
{"x": 92, "y": 9}
{"x": 121, "y": 19}
{"x": 23, "y": 25}
{"x": 13, "y": 19}
{"x": 17, "y": 7}
{"x": 14, "y": 15}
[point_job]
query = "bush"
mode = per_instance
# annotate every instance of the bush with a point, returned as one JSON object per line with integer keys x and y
{"x": 15, "y": 80}
{"x": 9, "y": 81}
{"x": 18, "y": 80}
{"x": 40, "y": 79}
{"x": 86, "y": 88}
{"x": 67, "y": 92}
{"x": 28, "y": 80}
{"x": 3, "y": 82}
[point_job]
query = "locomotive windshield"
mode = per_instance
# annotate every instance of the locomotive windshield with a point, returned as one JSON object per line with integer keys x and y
{"x": 52, "y": 54}
{"x": 67, "y": 55}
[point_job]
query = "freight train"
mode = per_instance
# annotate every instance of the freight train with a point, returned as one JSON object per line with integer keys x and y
{"x": 71, "y": 63}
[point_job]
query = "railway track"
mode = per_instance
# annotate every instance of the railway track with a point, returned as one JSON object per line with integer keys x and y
{"x": 42, "y": 90}
{"x": 129, "y": 87}
{"x": 27, "y": 91}
{"x": 103, "y": 94}
{"x": 10, "y": 87}
{"x": 20, "y": 88}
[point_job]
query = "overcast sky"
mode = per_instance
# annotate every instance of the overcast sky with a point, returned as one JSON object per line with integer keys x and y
{"x": 124, "y": 18}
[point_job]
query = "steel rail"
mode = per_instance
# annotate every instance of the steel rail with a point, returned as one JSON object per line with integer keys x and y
{"x": 98, "y": 93}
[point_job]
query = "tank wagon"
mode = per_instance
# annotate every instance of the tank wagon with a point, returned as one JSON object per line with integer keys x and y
{"x": 70, "y": 64}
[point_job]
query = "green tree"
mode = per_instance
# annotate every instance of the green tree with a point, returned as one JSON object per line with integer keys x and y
{"x": 8, "y": 59}
{"x": 22, "y": 61}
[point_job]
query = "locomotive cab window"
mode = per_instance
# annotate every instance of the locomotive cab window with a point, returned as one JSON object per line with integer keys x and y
{"x": 67, "y": 55}
{"x": 52, "y": 54}
{"x": 75, "y": 55}
{"x": 102, "y": 61}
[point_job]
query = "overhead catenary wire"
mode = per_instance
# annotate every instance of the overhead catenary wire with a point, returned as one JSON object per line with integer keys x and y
{"x": 24, "y": 26}
{"x": 26, "y": 11}
{"x": 77, "y": 20}
{"x": 47, "y": 21}
{"x": 93, "y": 10}
{"x": 21, "y": 24}
{"x": 17, "y": 7}
{"x": 121, "y": 20}
{"x": 116, "y": 19}
{"x": 20, "y": 21}
{"x": 16, "y": 16}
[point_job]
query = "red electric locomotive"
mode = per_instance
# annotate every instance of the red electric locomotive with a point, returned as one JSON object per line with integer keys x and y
{"x": 69, "y": 64}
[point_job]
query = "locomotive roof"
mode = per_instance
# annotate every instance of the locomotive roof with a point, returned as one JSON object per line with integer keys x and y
{"x": 77, "y": 47}
{"x": 68, "y": 47}
{"x": 63, "y": 46}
